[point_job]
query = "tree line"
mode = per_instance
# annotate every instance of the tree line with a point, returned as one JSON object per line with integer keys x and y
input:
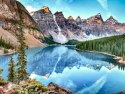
{"x": 5, "y": 44}
{"x": 114, "y": 45}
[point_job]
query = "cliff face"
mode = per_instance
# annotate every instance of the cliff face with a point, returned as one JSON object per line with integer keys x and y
{"x": 64, "y": 29}
{"x": 10, "y": 15}
{"x": 95, "y": 19}
{"x": 57, "y": 26}
{"x": 10, "y": 10}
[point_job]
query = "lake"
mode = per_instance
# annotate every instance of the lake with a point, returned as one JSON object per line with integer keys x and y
{"x": 81, "y": 72}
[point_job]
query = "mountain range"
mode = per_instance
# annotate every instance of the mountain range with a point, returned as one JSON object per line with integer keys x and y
{"x": 43, "y": 24}
{"x": 63, "y": 29}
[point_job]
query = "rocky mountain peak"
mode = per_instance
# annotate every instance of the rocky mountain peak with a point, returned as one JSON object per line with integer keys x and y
{"x": 78, "y": 19}
{"x": 62, "y": 29}
{"x": 111, "y": 17}
{"x": 95, "y": 19}
{"x": 98, "y": 15}
{"x": 70, "y": 18}
{"x": 59, "y": 14}
{"x": 111, "y": 20}
{"x": 45, "y": 9}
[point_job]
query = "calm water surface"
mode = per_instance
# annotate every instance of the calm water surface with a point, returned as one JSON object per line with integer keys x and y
{"x": 81, "y": 72}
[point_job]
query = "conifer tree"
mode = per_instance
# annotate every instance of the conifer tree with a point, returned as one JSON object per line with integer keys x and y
{"x": 123, "y": 57}
{"x": 21, "y": 64}
{"x": 114, "y": 45}
{"x": 1, "y": 72}
{"x": 11, "y": 69}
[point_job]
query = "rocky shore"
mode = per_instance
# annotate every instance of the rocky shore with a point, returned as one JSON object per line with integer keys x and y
{"x": 32, "y": 87}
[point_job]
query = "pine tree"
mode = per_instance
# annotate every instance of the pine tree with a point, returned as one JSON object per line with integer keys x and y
{"x": 123, "y": 57}
{"x": 21, "y": 64}
{"x": 1, "y": 70}
{"x": 114, "y": 45}
{"x": 11, "y": 69}
{"x": 21, "y": 73}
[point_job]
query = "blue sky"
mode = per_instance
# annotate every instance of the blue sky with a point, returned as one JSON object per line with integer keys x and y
{"x": 82, "y": 8}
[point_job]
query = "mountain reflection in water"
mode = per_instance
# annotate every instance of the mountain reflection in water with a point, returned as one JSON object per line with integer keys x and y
{"x": 81, "y": 72}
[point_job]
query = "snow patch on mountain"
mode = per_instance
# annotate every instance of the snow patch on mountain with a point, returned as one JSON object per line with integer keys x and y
{"x": 58, "y": 37}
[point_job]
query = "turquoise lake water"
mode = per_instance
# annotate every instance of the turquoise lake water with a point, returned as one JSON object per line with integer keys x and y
{"x": 81, "y": 72}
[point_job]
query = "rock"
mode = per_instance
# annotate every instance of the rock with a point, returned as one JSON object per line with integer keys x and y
{"x": 111, "y": 21}
{"x": 58, "y": 89}
{"x": 78, "y": 19}
{"x": 57, "y": 26}
{"x": 79, "y": 29}
{"x": 9, "y": 18}
{"x": 95, "y": 19}
{"x": 70, "y": 18}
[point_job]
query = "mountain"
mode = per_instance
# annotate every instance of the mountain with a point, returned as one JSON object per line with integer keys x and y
{"x": 78, "y": 19}
{"x": 62, "y": 29}
{"x": 114, "y": 24}
{"x": 111, "y": 21}
{"x": 68, "y": 27}
{"x": 48, "y": 25}
{"x": 56, "y": 25}
{"x": 95, "y": 27}
{"x": 95, "y": 19}
{"x": 10, "y": 12}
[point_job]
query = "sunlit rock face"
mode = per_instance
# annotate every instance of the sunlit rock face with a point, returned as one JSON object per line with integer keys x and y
{"x": 56, "y": 25}
{"x": 45, "y": 21}
{"x": 95, "y": 19}
{"x": 95, "y": 27}
{"x": 111, "y": 21}
{"x": 11, "y": 11}
{"x": 79, "y": 29}
{"x": 48, "y": 25}
{"x": 69, "y": 27}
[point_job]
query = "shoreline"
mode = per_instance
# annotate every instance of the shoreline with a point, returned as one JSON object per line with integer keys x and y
{"x": 117, "y": 58}
{"x": 5, "y": 54}
{"x": 14, "y": 52}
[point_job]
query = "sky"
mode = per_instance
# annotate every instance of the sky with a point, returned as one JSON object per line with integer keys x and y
{"x": 82, "y": 8}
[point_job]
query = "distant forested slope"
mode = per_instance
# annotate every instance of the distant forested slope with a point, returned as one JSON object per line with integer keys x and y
{"x": 114, "y": 45}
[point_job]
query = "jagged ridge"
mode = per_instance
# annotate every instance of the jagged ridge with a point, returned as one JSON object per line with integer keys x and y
{"x": 78, "y": 29}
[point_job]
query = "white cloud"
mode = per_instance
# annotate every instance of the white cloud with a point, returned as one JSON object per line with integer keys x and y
{"x": 30, "y": 8}
{"x": 103, "y": 3}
